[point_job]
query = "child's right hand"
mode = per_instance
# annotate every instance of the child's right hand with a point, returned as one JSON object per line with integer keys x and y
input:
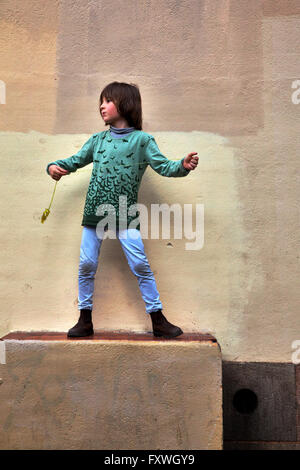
{"x": 56, "y": 172}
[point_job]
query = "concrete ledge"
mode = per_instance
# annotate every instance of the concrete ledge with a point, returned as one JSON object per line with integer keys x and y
{"x": 104, "y": 335}
{"x": 115, "y": 391}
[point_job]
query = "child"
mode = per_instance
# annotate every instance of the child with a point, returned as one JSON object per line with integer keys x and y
{"x": 120, "y": 157}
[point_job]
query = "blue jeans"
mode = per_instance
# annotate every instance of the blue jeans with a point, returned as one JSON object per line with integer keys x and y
{"x": 133, "y": 248}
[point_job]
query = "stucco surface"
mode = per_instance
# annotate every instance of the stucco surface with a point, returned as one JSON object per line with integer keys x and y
{"x": 196, "y": 286}
{"x": 215, "y": 77}
{"x": 111, "y": 395}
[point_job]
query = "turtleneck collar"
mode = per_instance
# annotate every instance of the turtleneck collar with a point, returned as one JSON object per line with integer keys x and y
{"x": 120, "y": 132}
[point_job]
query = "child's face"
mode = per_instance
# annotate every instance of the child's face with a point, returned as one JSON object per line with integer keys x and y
{"x": 109, "y": 112}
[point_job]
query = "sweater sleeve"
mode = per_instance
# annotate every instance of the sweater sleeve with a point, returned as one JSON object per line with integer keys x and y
{"x": 82, "y": 158}
{"x": 162, "y": 165}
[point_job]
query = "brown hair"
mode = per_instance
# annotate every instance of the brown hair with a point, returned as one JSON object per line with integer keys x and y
{"x": 127, "y": 100}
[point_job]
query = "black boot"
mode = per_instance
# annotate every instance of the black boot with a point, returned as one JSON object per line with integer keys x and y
{"x": 161, "y": 326}
{"x": 84, "y": 326}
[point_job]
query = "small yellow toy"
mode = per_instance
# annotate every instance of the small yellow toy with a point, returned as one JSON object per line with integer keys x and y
{"x": 47, "y": 211}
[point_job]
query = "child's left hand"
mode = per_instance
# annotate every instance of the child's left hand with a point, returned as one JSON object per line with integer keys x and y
{"x": 191, "y": 161}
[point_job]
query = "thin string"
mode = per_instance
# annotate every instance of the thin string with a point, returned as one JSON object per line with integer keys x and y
{"x": 53, "y": 194}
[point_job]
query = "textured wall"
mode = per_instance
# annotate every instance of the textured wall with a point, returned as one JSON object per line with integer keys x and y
{"x": 64, "y": 395}
{"x": 215, "y": 77}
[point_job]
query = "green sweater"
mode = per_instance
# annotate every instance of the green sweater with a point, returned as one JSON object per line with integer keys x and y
{"x": 118, "y": 168}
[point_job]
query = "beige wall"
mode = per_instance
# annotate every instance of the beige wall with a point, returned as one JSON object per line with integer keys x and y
{"x": 216, "y": 78}
{"x": 111, "y": 395}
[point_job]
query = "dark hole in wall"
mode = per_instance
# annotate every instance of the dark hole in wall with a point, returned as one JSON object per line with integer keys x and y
{"x": 245, "y": 401}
